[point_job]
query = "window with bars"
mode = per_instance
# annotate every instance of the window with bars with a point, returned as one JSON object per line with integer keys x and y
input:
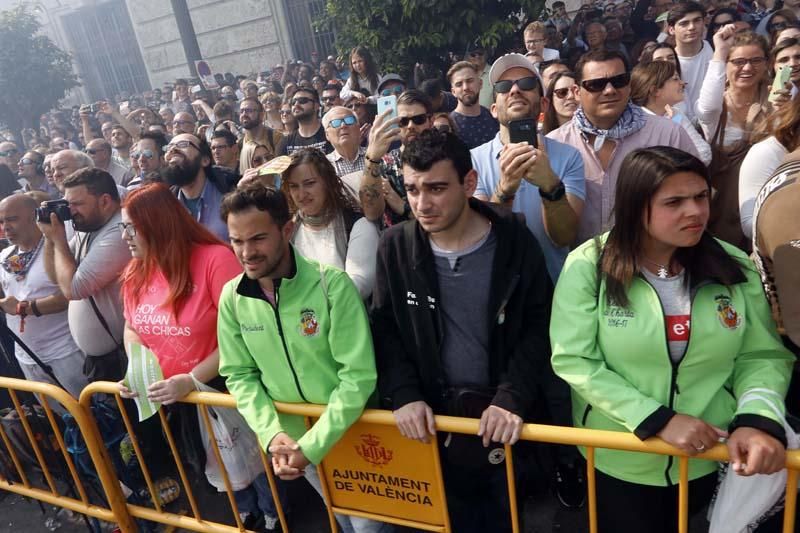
{"x": 106, "y": 51}
{"x": 300, "y": 15}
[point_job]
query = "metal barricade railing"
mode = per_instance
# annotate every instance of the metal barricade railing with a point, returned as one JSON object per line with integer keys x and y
{"x": 116, "y": 511}
{"x": 122, "y": 513}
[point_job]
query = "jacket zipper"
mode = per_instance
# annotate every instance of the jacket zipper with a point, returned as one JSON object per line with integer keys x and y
{"x": 286, "y": 348}
{"x": 586, "y": 414}
{"x": 507, "y": 297}
{"x": 673, "y": 386}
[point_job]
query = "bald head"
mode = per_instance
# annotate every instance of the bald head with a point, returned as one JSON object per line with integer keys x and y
{"x": 183, "y": 123}
{"x": 18, "y": 221}
{"x": 100, "y": 152}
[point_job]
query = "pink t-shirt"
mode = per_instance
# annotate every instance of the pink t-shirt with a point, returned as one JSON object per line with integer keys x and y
{"x": 181, "y": 344}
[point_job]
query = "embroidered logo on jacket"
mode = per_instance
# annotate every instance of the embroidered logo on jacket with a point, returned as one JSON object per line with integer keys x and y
{"x": 309, "y": 327}
{"x": 728, "y": 316}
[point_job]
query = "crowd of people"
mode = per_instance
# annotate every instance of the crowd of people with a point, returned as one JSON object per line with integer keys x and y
{"x": 628, "y": 264}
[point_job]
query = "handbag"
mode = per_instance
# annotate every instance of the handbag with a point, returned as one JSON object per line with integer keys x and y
{"x": 238, "y": 446}
{"x": 467, "y": 451}
{"x": 110, "y": 366}
{"x": 741, "y": 503}
{"x": 724, "y": 220}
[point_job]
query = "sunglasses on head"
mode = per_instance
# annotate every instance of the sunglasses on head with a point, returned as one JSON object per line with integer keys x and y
{"x": 397, "y": 90}
{"x": 561, "y": 93}
{"x": 419, "y": 120}
{"x": 599, "y": 84}
{"x": 444, "y": 128}
{"x": 528, "y": 83}
{"x": 301, "y": 100}
{"x": 337, "y": 123}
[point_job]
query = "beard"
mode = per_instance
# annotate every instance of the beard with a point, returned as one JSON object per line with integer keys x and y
{"x": 86, "y": 225}
{"x": 248, "y": 123}
{"x": 469, "y": 99}
{"x": 183, "y": 173}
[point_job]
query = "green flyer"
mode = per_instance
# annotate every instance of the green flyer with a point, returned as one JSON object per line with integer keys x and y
{"x": 143, "y": 371}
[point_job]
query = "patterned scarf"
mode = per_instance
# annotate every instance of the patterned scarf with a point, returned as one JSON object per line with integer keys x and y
{"x": 632, "y": 120}
{"x": 18, "y": 263}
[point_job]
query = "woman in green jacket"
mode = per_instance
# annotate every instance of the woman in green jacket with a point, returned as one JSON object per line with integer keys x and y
{"x": 659, "y": 329}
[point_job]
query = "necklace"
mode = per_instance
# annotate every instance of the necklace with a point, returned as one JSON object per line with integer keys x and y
{"x": 664, "y": 271}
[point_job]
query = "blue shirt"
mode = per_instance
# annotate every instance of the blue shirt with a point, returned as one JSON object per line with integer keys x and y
{"x": 206, "y": 210}
{"x": 475, "y": 131}
{"x": 566, "y": 163}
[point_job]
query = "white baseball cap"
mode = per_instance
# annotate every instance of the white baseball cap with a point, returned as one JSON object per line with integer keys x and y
{"x": 509, "y": 61}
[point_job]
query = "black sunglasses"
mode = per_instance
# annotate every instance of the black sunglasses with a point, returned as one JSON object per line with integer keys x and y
{"x": 419, "y": 120}
{"x": 528, "y": 83}
{"x": 598, "y": 84}
{"x": 302, "y": 100}
{"x": 561, "y": 93}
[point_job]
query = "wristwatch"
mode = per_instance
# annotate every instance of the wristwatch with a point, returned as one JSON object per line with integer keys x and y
{"x": 556, "y": 194}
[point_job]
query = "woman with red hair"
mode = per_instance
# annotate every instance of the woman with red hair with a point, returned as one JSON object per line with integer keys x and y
{"x": 171, "y": 291}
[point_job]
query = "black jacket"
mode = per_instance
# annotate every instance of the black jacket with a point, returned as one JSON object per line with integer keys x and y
{"x": 407, "y": 327}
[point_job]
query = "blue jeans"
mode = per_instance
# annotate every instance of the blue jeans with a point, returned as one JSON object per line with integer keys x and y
{"x": 257, "y": 498}
{"x": 349, "y": 524}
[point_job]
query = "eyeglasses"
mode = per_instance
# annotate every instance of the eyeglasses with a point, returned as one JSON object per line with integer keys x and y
{"x": 397, "y": 90}
{"x": 740, "y": 62}
{"x": 561, "y": 93}
{"x": 93, "y": 151}
{"x": 419, "y": 120}
{"x": 285, "y": 112}
{"x": 444, "y": 128}
{"x": 127, "y": 229}
{"x": 301, "y": 100}
{"x": 599, "y": 84}
{"x": 8, "y": 153}
{"x": 528, "y": 83}
{"x": 337, "y": 123}
{"x": 181, "y": 145}
{"x": 147, "y": 154}
{"x": 259, "y": 160}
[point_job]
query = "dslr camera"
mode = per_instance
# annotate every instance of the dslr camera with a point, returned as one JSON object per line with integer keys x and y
{"x": 59, "y": 207}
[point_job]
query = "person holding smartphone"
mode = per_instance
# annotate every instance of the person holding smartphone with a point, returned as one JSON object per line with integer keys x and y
{"x": 544, "y": 180}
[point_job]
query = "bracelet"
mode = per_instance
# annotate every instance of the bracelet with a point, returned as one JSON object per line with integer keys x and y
{"x": 35, "y": 308}
{"x": 503, "y": 197}
{"x": 378, "y": 162}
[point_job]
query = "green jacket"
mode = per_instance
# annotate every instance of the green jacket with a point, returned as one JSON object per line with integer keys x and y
{"x": 617, "y": 362}
{"x": 307, "y": 348}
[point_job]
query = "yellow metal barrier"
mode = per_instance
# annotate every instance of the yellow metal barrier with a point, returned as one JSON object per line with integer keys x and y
{"x": 121, "y": 513}
{"x": 117, "y": 511}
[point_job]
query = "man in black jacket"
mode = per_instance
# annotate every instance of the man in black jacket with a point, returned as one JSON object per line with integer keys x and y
{"x": 460, "y": 313}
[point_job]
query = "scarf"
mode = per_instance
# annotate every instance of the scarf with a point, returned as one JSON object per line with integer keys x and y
{"x": 632, "y": 120}
{"x": 19, "y": 263}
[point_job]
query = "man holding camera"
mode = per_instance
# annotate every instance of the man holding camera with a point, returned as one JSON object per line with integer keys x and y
{"x": 88, "y": 267}
{"x": 35, "y": 308}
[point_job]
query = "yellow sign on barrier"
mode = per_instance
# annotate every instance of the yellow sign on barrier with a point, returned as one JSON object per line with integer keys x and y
{"x": 374, "y": 469}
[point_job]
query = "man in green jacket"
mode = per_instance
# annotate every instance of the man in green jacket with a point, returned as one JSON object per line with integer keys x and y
{"x": 291, "y": 330}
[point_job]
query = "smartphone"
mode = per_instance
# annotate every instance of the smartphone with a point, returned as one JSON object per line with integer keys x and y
{"x": 782, "y": 77}
{"x": 523, "y": 130}
{"x": 388, "y": 102}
